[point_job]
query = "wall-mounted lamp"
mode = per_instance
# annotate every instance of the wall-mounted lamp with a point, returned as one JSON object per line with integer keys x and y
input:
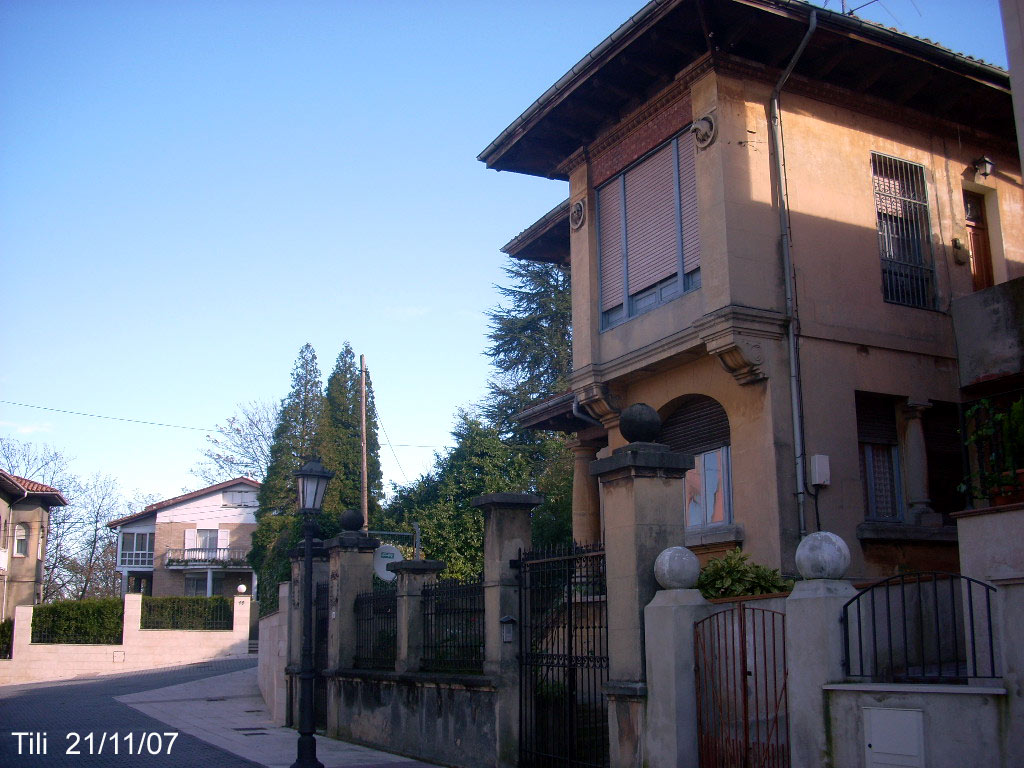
{"x": 984, "y": 166}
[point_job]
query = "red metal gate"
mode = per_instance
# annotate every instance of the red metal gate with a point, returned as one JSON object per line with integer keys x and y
{"x": 741, "y": 689}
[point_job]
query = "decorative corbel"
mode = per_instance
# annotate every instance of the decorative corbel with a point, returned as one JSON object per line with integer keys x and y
{"x": 600, "y": 403}
{"x": 736, "y": 336}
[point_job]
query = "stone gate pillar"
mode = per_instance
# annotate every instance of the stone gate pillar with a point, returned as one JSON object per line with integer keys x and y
{"x": 642, "y": 495}
{"x": 506, "y": 534}
{"x": 412, "y": 575}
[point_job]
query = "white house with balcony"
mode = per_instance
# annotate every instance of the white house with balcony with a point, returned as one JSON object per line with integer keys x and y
{"x": 195, "y": 544}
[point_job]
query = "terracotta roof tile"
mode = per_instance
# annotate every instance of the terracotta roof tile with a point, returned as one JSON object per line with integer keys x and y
{"x": 154, "y": 508}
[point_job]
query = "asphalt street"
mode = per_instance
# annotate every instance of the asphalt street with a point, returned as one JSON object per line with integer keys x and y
{"x": 68, "y": 711}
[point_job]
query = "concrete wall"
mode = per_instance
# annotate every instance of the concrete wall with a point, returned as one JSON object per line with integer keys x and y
{"x": 139, "y": 649}
{"x": 990, "y": 332}
{"x": 273, "y": 658}
{"x": 963, "y": 725}
{"x": 444, "y": 718}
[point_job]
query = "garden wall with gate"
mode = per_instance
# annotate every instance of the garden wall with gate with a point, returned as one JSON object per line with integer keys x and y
{"x": 140, "y": 648}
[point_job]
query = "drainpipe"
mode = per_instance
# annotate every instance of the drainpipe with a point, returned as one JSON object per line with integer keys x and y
{"x": 796, "y": 398}
{"x": 580, "y": 414}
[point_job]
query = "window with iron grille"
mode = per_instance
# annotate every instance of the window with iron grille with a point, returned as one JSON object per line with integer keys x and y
{"x": 648, "y": 240}
{"x": 904, "y": 242}
{"x": 879, "y": 457}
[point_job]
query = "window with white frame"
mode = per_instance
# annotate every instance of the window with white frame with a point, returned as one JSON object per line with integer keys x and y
{"x": 137, "y": 548}
{"x": 21, "y": 540}
{"x": 647, "y": 233}
{"x": 700, "y": 426}
{"x": 904, "y": 234}
{"x": 878, "y": 447}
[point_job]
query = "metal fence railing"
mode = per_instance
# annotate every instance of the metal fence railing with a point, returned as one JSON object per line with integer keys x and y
{"x": 927, "y": 627}
{"x": 211, "y": 613}
{"x": 376, "y": 627}
{"x": 993, "y": 431}
{"x": 453, "y": 626}
{"x": 180, "y": 557}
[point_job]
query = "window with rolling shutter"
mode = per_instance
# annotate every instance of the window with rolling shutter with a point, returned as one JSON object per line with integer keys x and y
{"x": 647, "y": 232}
{"x": 700, "y": 426}
{"x": 879, "y": 457}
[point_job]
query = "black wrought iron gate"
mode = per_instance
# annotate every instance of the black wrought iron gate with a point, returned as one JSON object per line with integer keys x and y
{"x": 320, "y": 656}
{"x": 741, "y": 689}
{"x": 563, "y": 661}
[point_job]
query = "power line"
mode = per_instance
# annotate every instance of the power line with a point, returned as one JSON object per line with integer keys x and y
{"x": 393, "y": 450}
{"x": 177, "y": 426}
{"x": 111, "y": 418}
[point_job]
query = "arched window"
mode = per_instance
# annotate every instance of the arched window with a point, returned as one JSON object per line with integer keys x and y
{"x": 700, "y": 426}
{"x": 21, "y": 539}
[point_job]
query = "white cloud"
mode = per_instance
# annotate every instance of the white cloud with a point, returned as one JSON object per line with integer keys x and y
{"x": 25, "y": 429}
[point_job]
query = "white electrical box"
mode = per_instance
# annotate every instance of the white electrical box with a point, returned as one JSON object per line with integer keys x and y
{"x": 893, "y": 737}
{"x": 820, "y": 473}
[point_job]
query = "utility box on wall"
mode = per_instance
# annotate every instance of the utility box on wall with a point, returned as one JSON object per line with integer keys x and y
{"x": 893, "y": 737}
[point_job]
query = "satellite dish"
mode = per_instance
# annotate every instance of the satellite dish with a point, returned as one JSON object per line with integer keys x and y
{"x": 384, "y": 554}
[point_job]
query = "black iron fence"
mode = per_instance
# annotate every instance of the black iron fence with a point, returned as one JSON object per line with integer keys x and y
{"x": 376, "y": 627}
{"x": 563, "y": 657}
{"x": 212, "y": 613}
{"x": 925, "y": 627}
{"x": 993, "y": 431}
{"x": 453, "y": 626}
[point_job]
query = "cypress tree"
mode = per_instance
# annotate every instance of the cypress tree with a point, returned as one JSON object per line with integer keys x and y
{"x": 277, "y": 529}
{"x": 338, "y": 442}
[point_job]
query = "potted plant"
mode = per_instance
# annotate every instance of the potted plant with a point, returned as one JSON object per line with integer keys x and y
{"x": 995, "y": 440}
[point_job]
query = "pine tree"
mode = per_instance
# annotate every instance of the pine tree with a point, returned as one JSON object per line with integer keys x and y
{"x": 277, "y": 529}
{"x": 338, "y": 441}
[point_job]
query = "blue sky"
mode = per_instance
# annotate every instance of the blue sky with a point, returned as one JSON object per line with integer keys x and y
{"x": 189, "y": 191}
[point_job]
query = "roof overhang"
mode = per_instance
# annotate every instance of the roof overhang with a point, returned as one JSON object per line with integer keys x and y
{"x": 553, "y": 413}
{"x": 665, "y": 37}
{"x": 545, "y": 240}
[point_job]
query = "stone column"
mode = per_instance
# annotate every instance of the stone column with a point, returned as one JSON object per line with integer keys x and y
{"x": 642, "y": 494}
{"x": 351, "y": 572}
{"x": 919, "y": 506}
{"x": 506, "y": 535}
{"x": 586, "y": 504}
{"x": 412, "y": 575}
{"x": 671, "y": 738}
{"x": 814, "y": 643}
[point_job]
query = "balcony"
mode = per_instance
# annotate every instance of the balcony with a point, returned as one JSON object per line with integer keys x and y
{"x": 990, "y": 334}
{"x": 204, "y": 557}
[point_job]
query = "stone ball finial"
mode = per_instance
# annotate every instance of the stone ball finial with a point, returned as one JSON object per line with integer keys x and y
{"x": 822, "y": 555}
{"x": 639, "y": 423}
{"x": 677, "y": 568}
{"x": 351, "y": 520}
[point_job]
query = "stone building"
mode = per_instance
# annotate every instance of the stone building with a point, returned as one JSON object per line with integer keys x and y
{"x": 192, "y": 545}
{"x": 24, "y": 520}
{"x": 771, "y": 210}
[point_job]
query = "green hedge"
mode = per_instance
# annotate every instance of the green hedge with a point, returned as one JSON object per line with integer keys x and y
{"x": 6, "y": 637}
{"x": 79, "y": 621}
{"x": 187, "y": 613}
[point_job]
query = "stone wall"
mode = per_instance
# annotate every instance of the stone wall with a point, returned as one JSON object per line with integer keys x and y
{"x": 273, "y": 658}
{"x": 139, "y": 649}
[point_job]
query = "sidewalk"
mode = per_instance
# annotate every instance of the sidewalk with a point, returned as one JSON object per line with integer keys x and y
{"x": 227, "y": 711}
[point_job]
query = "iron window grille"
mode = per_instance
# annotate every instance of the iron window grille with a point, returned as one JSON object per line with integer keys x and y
{"x": 904, "y": 232}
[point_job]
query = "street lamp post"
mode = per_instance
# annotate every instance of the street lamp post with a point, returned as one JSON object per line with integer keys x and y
{"x": 311, "y": 480}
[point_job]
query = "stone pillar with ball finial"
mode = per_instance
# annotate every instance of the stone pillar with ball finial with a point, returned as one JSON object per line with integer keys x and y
{"x": 642, "y": 497}
{"x": 351, "y": 572}
{"x": 671, "y": 737}
{"x": 814, "y": 642}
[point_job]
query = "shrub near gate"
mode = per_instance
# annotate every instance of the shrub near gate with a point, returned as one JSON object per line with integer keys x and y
{"x": 6, "y": 637}
{"x": 733, "y": 576}
{"x": 99, "y": 621}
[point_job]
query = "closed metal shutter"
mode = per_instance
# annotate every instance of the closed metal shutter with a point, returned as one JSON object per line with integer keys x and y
{"x": 876, "y": 419}
{"x": 699, "y": 424}
{"x": 651, "y": 242}
{"x": 609, "y": 233}
{"x": 688, "y": 202}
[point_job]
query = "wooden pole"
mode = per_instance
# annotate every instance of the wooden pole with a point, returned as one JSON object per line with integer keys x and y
{"x": 362, "y": 441}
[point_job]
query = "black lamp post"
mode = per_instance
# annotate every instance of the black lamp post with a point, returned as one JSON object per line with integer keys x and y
{"x": 311, "y": 480}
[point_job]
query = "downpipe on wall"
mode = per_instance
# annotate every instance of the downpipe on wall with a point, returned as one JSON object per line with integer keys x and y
{"x": 795, "y": 394}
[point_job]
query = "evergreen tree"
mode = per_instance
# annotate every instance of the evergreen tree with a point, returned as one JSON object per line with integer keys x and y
{"x": 277, "y": 529}
{"x": 338, "y": 441}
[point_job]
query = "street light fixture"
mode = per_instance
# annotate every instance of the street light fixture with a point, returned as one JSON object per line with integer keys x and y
{"x": 311, "y": 480}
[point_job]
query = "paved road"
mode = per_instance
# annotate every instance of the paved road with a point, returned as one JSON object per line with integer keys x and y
{"x": 88, "y": 706}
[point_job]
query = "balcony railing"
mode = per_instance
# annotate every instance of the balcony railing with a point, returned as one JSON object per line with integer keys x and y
{"x": 206, "y": 556}
{"x": 137, "y": 558}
